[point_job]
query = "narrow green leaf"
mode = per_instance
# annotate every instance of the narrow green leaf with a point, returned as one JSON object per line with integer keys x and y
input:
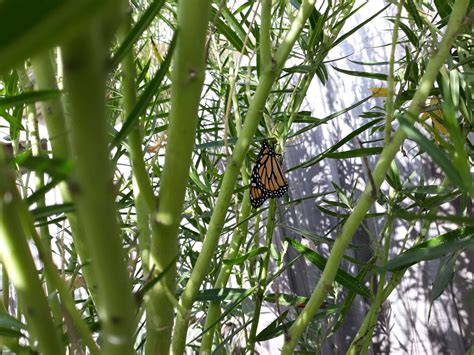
{"x": 227, "y": 25}
{"x": 342, "y": 276}
{"x": 443, "y": 7}
{"x": 57, "y": 168}
{"x": 274, "y": 329}
{"x": 341, "y": 194}
{"x": 343, "y": 141}
{"x": 28, "y": 98}
{"x": 242, "y": 258}
{"x": 145, "y": 98}
{"x": 326, "y": 119}
{"x": 393, "y": 177}
{"x": 432, "y": 249}
{"x": 439, "y": 199}
{"x": 47, "y": 211}
{"x": 412, "y": 216}
{"x": 234, "y": 305}
{"x": 142, "y": 24}
{"x": 426, "y": 189}
{"x": 412, "y": 9}
{"x": 14, "y": 122}
{"x": 360, "y": 25}
{"x": 377, "y": 64}
{"x": 362, "y": 74}
{"x": 285, "y": 299}
{"x": 220, "y": 294}
{"x": 444, "y": 275}
{"x": 10, "y": 326}
{"x": 412, "y": 37}
{"x": 360, "y": 152}
{"x": 438, "y": 156}
{"x": 277, "y": 327}
{"x": 40, "y": 193}
{"x": 227, "y": 32}
{"x": 309, "y": 235}
{"x": 349, "y": 299}
{"x": 150, "y": 284}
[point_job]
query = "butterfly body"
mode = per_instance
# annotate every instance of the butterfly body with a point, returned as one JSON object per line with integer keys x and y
{"x": 268, "y": 180}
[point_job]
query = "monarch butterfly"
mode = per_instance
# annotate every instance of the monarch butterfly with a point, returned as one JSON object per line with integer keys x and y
{"x": 267, "y": 180}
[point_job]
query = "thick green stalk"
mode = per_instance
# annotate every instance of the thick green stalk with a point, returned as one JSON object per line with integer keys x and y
{"x": 17, "y": 259}
{"x": 262, "y": 282}
{"x": 53, "y": 115}
{"x": 56, "y": 282}
{"x": 377, "y": 303}
{"x": 368, "y": 324}
{"x": 5, "y": 287}
{"x": 187, "y": 80}
{"x": 93, "y": 190}
{"x": 370, "y": 319}
{"x": 265, "y": 34}
{"x": 389, "y": 103}
{"x": 368, "y": 197}
{"x": 6, "y": 341}
{"x": 52, "y": 110}
{"x": 34, "y": 138}
{"x": 238, "y": 238}
{"x": 230, "y": 176}
{"x": 142, "y": 188}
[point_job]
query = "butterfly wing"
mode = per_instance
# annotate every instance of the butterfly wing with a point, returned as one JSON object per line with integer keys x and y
{"x": 268, "y": 180}
{"x": 272, "y": 177}
{"x": 257, "y": 195}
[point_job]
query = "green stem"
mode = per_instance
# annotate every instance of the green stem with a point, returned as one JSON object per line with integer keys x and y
{"x": 369, "y": 321}
{"x": 389, "y": 103}
{"x": 252, "y": 267}
{"x": 142, "y": 188}
{"x": 53, "y": 114}
{"x": 57, "y": 283}
{"x": 368, "y": 197}
{"x": 187, "y": 80}
{"x": 84, "y": 80}
{"x": 251, "y": 121}
{"x": 376, "y": 306}
{"x": 17, "y": 258}
{"x": 262, "y": 284}
{"x": 322, "y": 51}
{"x": 238, "y": 238}
{"x": 265, "y": 35}
{"x": 34, "y": 138}
{"x": 5, "y": 288}
{"x": 6, "y": 341}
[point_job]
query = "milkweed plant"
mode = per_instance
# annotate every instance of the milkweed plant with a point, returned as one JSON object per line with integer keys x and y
{"x": 129, "y": 133}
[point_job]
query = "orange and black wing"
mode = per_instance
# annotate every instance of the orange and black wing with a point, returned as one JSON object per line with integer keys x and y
{"x": 268, "y": 180}
{"x": 257, "y": 195}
